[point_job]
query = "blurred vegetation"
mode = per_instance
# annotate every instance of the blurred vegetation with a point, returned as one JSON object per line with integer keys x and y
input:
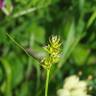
{"x": 31, "y": 23}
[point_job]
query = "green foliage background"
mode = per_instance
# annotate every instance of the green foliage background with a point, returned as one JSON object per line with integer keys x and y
{"x": 73, "y": 20}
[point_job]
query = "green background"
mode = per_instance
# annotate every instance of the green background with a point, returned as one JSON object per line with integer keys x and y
{"x": 73, "y": 20}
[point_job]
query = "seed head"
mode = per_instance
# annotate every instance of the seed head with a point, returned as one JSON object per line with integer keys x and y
{"x": 53, "y": 52}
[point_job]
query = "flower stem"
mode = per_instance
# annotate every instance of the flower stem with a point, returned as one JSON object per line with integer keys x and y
{"x": 47, "y": 79}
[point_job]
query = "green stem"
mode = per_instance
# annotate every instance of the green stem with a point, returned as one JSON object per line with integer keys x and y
{"x": 47, "y": 79}
{"x": 13, "y": 40}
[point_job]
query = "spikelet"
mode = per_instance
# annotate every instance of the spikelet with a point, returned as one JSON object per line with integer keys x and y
{"x": 53, "y": 52}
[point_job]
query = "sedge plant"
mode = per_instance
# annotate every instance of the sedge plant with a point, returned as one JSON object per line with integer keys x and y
{"x": 52, "y": 57}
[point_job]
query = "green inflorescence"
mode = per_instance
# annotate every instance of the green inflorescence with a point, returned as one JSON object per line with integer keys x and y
{"x": 53, "y": 52}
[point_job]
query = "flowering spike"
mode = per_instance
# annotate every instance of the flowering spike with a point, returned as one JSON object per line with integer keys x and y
{"x": 53, "y": 52}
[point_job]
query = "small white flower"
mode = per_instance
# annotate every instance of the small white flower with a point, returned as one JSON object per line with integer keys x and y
{"x": 73, "y": 87}
{"x": 63, "y": 92}
{"x": 71, "y": 82}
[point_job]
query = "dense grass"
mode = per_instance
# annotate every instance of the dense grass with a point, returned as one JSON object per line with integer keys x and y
{"x": 31, "y": 23}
